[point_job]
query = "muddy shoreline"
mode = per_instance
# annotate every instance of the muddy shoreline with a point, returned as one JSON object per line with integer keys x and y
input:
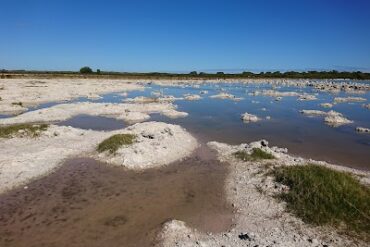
{"x": 89, "y": 203}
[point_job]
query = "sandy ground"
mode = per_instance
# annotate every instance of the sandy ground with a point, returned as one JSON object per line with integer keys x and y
{"x": 125, "y": 111}
{"x": 260, "y": 219}
{"x": 31, "y": 92}
{"x": 22, "y": 159}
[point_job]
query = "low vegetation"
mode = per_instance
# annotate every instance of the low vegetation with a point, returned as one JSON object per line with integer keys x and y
{"x": 17, "y": 103}
{"x": 86, "y": 70}
{"x": 333, "y": 74}
{"x": 29, "y": 130}
{"x": 257, "y": 154}
{"x": 113, "y": 143}
{"x": 320, "y": 195}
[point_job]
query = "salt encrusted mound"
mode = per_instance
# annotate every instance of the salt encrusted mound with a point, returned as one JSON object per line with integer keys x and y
{"x": 143, "y": 99}
{"x": 134, "y": 117}
{"x": 313, "y": 112}
{"x": 174, "y": 114}
{"x": 22, "y": 159}
{"x": 326, "y": 105}
{"x": 173, "y": 231}
{"x": 307, "y": 97}
{"x": 246, "y": 117}
{"x": 348, "y": 99}
{"x": 273, "y": 93}
{"x": 128, "y": 112}
{"x": 192, "y": 97}
{"x": 156, "y": 144}
{"x": 334, "y": 118}
{"x": 225, "y": 96}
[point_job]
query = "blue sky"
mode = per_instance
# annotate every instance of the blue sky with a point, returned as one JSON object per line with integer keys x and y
{"x": 180, "y": 36}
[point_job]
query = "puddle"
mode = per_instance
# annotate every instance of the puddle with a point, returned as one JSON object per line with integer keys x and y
{"x": 219, "y": 120}
{"x": 93, "y": 123}
{"x": 89, "y": 203}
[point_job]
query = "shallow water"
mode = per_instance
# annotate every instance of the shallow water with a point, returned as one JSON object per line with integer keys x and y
{"x": 219, "y": 120}
{"x": 89, "y": 203}
{"x": 93, "y": 122}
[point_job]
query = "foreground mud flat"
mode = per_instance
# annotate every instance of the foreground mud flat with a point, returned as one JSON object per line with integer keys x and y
{"x": 95, "y": 204}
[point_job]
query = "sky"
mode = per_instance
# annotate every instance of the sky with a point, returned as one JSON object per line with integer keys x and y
{"x": 185, "y": 35}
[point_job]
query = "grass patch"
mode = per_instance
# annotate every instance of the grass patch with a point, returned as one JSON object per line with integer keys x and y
{"x": 113, "y": 143}
{"x": 32, "y": 130}
{"x": 257, "y": 154}
{"x": 320, "y": 195}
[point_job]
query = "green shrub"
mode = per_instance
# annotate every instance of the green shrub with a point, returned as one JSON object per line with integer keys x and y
{"x": 320, "y": 195}
{"x": 113, "y": 143}
{"x": 32, "y": 130}
{"x": 257, "y": 154}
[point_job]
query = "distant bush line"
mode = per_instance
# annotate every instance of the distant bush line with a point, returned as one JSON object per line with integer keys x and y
{"x": 87, "y": 72}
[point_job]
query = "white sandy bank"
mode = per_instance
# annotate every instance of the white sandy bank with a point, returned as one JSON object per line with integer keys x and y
{"x": 31, "y": 92}
{"x": 125, "y": 111}
{"x": 22, "y": 159}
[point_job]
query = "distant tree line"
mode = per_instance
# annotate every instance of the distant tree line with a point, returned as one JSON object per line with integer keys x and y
{"x": 333, "y": 74}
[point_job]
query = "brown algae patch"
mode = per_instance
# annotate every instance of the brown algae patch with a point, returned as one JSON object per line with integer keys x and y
{"x": 94, "y": 204}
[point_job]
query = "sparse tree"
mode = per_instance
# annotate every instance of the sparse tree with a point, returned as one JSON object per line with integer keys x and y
{"x": 98, "y": 71}
{"x": 86, "y": 70}
{"x": 247, "y": 73}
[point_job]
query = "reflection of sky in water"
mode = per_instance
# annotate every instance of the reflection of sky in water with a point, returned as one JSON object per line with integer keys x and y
{"x": 218, "y": 119}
